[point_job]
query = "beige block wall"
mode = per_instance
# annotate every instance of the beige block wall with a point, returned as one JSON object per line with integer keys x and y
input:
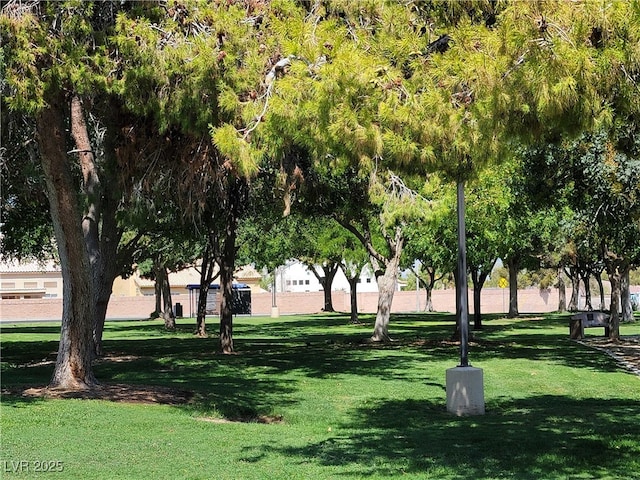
{"x": 139, "y": 307}
{"x": 492, "y": 301}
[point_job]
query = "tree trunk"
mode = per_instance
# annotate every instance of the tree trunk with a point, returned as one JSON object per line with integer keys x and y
{"x": 201, "y": 327}
{"x": 513, "y": 265}
{"x": 625, "y": 298}
{"x": 478, "y": 277}
{"x": 105, "y": 271}
{"x": 575, "y": 288}
{"x": 562, "y": 292}
{"x": 428, "y": 287}
{"x": 386, "y": 277}
{"x": 353, "y": 293}
{"x": 101, "y": 298}
{"x": 603, "y": 305}
{"x": 235, "y": 195}
{"x": 428, "y": 305}
{"x": 157, "y": 288}
{"x": 352, "y": 274}
{"x": 99, "y": 223}
{"x": 477, "y": 315}
{"x": 387, "y": 283}
{"x": 168, "y": 315}
{"x": 386, "y": 289}
{"x": 92, "y": 217}
{"x": 73, "y": 369}
{"x": 112, "y": 260}
{"x": 326, "y": 281}
{"x": 586, "y": 277}
{"x": 227, "y": 267}
{"x": 206, "y": 277}
{"x": 615, "y": 278}
{"x": 330, "y": 271}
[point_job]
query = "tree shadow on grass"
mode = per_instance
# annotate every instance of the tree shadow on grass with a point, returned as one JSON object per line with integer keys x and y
{"x": 311, "y": 347}
{"x": 38, "y": 329}
{"x": 206, "y": 388}
{"x": 28, "y": 352}
{"x": 257, "y": 381}
{"x": 538, "y": 437}
{"x": 273, "y": 355}
{"x": 12, "y": 400}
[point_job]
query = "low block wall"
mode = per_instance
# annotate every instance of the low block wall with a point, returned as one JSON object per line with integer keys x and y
{"x": 494, "y": 300}
{"x": 51, "y": 308}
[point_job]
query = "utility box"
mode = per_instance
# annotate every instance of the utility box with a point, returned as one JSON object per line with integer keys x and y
{"x": 240, "y": 302}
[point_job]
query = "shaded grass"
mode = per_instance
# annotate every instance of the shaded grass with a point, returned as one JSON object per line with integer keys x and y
{"x": 555, "y": 409}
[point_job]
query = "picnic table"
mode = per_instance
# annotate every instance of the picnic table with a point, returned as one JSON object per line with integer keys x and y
{"x": 582, "y": 320}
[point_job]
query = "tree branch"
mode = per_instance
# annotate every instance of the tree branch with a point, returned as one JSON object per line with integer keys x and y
{"x": 364, "y": 239}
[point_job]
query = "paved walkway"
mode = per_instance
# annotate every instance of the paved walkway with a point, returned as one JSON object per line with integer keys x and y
{"x": 626, "y": 352}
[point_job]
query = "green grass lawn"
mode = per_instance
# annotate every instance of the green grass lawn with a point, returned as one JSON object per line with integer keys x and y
{"x": 341, "y": 408}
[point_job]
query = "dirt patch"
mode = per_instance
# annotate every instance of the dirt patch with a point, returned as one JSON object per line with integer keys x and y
{"x": 267, "y": 419}
{"x": 138, "y": 394}
{"x": 118, "y": 358}
{"x": 626, "y": 351}
{"x": 147, "y": 394}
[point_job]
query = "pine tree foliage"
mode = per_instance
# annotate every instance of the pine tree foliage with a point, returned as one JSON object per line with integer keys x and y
{"x": 577, "y": 66}
{"x": 212, "y": 92}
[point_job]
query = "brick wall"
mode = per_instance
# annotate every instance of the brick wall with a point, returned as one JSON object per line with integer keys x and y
{"x": 51, "y": 308}
{"x": 493, "y": 301}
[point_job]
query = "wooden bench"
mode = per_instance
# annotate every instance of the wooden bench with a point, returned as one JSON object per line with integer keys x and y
{"x": 582, "y": 320}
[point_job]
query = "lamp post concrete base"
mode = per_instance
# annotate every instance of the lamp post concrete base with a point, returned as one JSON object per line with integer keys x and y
{"x": 465, "y": 391}
{"x": 275, "y": 312}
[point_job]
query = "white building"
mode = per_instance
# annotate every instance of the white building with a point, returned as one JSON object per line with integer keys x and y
{"x": 296, "y": 277}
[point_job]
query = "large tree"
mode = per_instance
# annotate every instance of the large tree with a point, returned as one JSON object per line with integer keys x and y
{"x": 113, "y": 64}
{"x": 527, "y": 227}
{"x": 68, "y": 51}
{"x": 168, "y": 247}
{"x": 317, "y": 243}
{"x": 354, "y": 261}
{"x": 394, "y": 203}
{"x": 605, "y": 188}
{"x": 189, "y": 71}
{"x": 577, "y": 68}
{"x": 73, "y": 364}
{"x": 379, "y": 86}
{"x": 487, "y": 213}
{"x": 49, "y": 50}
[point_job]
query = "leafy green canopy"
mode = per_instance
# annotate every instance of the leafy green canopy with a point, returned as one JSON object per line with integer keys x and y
{"x": 378, "y": 84}
{"x": 442, "y": 86}
{"x": 576, "y": 66}
{"x": 183, "y": 66}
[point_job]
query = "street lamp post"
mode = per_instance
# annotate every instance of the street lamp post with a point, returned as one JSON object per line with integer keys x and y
{"x": 465, "y": 384}
{"x": 463, "y": 298}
